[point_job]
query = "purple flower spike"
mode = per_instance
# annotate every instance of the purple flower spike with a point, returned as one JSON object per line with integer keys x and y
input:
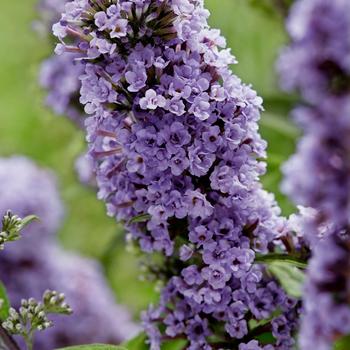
{"x": 317, "y": 65}
{"x": 174, "y": 138}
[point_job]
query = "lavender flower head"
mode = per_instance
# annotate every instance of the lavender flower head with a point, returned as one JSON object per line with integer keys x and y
{"x": 174, "y": 138}
{"x": 96, "y": 317}
{"x": 317, "y": 64}
{"x": 60, "y": 75}
{"x": 327, "y": 313}
{"x": 317, "y": 175}
{"x": 27, "y": 189}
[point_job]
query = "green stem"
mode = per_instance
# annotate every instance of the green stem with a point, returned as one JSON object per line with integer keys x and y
{"x": 275, "y": 257}
{"x": 28, "y": 338}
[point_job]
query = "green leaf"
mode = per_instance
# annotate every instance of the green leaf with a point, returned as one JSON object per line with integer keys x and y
{"x": 290, "y": 277}
{"x": 27, "y": 220}
{"x": 4, "y": 303}
{"x": 139, "y": 343}
{"x": 283, "y": 258}
{"x": 175, "y": 345}
{"x": 266, "y": 338}
{"x": 272, "y": 8}
{"x": 94, "y": 347}
{"x": 264, "y": 5}
{"x": 178, "y": 344}
{"x": 343, "y": 344}
{"x": 140, "y": 218}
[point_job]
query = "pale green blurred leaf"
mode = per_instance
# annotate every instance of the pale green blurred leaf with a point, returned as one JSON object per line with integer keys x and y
{"x": 4, "y": 303}
{"x": 291, "y": 278}
{"x": 94, "y": 347}
{"x": 281, "y": 258}
{"x": 139, "y": 343}
{"x": 255, "y": 38}
{"x": 279, "y": 125}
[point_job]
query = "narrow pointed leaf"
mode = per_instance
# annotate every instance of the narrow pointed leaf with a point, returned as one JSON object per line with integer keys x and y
{"x": 28, "y": 219}
{"x": 140, "y": 218}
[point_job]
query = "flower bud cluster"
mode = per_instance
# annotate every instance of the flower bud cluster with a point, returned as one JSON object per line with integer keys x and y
{"x": 11, "y": 226}
{"x": 54, "y": 302}
{"x": 96, "y": 317}
{"x": 175, "y": 142}
{"x": 33, "y": 315}
{"x": 19, "y": 323}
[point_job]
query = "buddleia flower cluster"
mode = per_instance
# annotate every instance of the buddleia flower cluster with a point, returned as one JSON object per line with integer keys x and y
{"x": 36, "y": 262}
{"x": 175, "y": 142}
{"x": 59, "y": 75}
{"x": 327, "y": 293}
{"x": 33, "y": 315}
{"x": 317, "y": 65}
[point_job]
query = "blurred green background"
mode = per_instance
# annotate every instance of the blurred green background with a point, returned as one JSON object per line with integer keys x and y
{"x": 255, "y": 34}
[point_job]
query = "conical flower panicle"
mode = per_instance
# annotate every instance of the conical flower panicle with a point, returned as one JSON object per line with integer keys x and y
{"x": 174, "y": 137}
